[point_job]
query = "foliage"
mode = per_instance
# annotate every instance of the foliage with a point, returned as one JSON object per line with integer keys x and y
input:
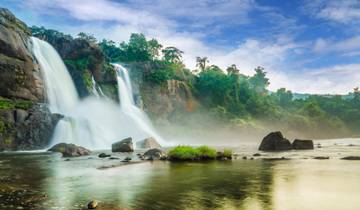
{"x": 15, "y": 104}
{"x": 192, "y": 153}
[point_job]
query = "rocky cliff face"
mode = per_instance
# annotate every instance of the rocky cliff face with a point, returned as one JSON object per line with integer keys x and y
{"x": 84, "y": 60}
{"x": 163, "y": 102}
{"x": 25, "y": 123}
{"x": 20, "y": 77}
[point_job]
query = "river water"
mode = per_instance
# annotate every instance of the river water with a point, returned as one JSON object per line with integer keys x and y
{"x": 47, "y": 181}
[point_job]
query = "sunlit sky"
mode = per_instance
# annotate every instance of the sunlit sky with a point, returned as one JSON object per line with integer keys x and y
{"x": 308, "y": 46}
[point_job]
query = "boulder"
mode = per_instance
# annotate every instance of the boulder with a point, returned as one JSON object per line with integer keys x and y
{"x": 125, "y": 145}
{"x": 275, "y": 141}
{"x": 154, "y": 154}
{"x": 70, "y": 150}
{"x": 302, "y": 144}
{"x": 148, "y": 143}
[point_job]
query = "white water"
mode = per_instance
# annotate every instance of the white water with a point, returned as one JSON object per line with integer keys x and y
{"x": 94, "y": 122}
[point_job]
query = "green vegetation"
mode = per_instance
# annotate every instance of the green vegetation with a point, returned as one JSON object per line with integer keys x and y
{"x": 227, "y": 95}
{"x": 15, "y": 104}
{"x": 192, "y": 153}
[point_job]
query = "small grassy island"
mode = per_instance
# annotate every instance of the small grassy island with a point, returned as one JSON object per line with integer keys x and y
{"x": 188, "y": 153}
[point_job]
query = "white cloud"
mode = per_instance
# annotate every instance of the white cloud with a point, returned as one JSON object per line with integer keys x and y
{"x": 341, "y": 11}
{"x": 160, "y": 19}
{"x": 345, "y": 46}
{"x": 338, "y": 79}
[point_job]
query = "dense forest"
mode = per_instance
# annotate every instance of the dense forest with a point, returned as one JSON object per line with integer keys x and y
{"x": 231, "y": 97}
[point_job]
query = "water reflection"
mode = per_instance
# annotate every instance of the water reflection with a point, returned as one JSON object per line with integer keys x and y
{"x": 240, "y": 184}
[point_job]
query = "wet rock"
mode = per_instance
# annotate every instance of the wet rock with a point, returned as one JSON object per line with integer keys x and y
{"x": 148, "y": 143}
{"x": 321, "y": 157}
{"x": 103, "y": 155}
{"x": 256, "y": 154}
{"x": 351, "y": 145}
{"x": 277, "y": 158}
{"x": 275, "y": 141}
{"x": 244, "y": 157}
{"x": 92, "y": 204}
{"x": 125, "y": 145}
{"x": 302, "y": 144}
{"x": 351, "y": 158}
{"x": 114, "y": 158}
{"x": 70, "y": 150}
{"x": 220, "y": 155}
{"x": 154, "y": 154}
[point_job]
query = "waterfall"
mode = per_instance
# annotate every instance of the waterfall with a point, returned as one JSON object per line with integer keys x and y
{"x": 128, "y": 106}
{"x": 93, "y": 122}
{"x": 96, "y": 90}
{"x": 60, "y": 89}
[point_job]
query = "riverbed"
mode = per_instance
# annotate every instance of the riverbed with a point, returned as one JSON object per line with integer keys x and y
{"x": 41, "y": 180}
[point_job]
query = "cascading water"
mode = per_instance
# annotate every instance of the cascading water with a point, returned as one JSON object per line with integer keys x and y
{"x": 128, "y": 105}
{"x": 94, "y": 122}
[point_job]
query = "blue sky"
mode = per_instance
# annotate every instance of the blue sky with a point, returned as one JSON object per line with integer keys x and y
{"x": 308, "y": 46}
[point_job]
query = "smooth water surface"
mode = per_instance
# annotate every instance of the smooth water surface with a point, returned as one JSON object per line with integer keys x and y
{"x": 48, "y": 181}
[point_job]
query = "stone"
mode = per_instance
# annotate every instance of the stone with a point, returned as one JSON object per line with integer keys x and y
{"x": 256, "y": 154}
{"x": 154, "y": 154}
{"x": 148, "y": 143}
{"x": 302, "y": 144}
{"x": 125, "y": 145}
{"x": 93, "y": 204}
{"x": 351, "y": 158}
{"x": 275, "y": 141}
{"x": 70, "y": 150}
{"x": 103, "y": 155}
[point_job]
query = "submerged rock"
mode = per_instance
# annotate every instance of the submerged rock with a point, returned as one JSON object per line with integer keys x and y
{"x": 148, "y": 143}
{"x": 125, "y": 145}
{"x": 70, "y": 150}
{"x": 92, "y": 204}
{"x": 154, "y": 154}
{"x": 275, "y": 141}
{"x": 302, "y": 144}
{"x": 351, "y": 158}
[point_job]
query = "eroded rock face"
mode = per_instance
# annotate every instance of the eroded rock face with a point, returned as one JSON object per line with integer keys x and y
{"x": 275, "y": 141}
{"x": 27, "y": 129}
{"x": 302, "y": 144}
{"x": 83, "y": 59}
{"x": 148, "y": 143}
{"x": 70, "y": 150}
{"x": 125, "y": 145}
{"x": 20, "y": 76}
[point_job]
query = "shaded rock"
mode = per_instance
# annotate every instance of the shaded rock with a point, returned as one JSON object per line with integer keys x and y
{"x": 244, "y": 157}
{"x": 114, "y": 158}
{"x": 256, "y": 154}
{"x": 302, "y": 144}
{"x": 125, "y": 145}
{"x": 275, "y": 141}
{"x": 148, "y": 143}
{"x": 220, "y": 155}
{"x": 19, "y": 75}
{"x": 70, "y": 150}
{"x": 351, "y": 158}
{"x": 321, "y": 157}
{"x": 154, "y": 154}
{"x": 92, "y": 204}
{"x": 103, "y": 155}
{"x": 277, "y": 158}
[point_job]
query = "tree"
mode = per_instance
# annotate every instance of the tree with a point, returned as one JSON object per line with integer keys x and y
{"x": 172, "y": 55}
{"x": 284, "y": 97}
{"x": 153, "y": 48}
{"x": 259, "y": 81}
{"x": 87, "y": 37}
{"x": 201, "y": 62}
{"x": 232, "y": 69}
